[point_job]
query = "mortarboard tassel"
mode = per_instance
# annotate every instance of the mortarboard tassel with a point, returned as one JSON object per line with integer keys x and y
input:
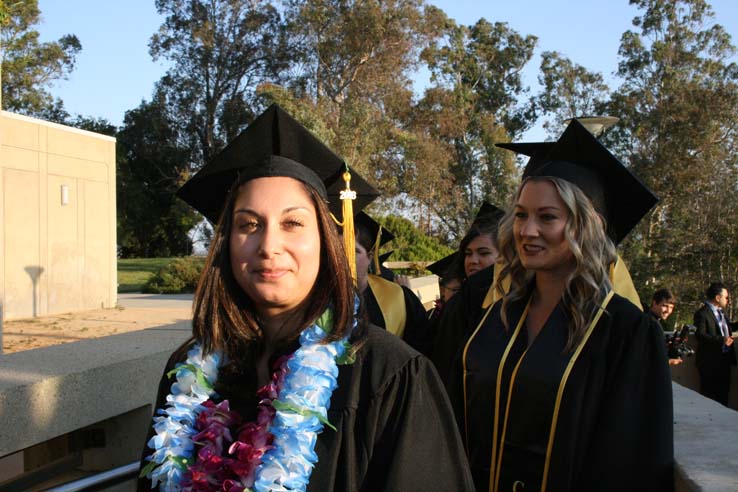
{"x": 347, "y": 209}
{"x": 377, "y": 242}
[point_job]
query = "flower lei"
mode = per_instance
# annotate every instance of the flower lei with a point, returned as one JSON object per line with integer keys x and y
{"x": 274, "y": 453}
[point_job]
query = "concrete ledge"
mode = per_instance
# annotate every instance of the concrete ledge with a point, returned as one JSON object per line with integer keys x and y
{"x": 48, "y": 392}
{"x": 705, "y": 437}
{"x": 426, "y": 288}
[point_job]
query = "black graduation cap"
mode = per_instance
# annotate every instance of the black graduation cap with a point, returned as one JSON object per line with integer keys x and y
{"x": 443, "y": 266}
{"x": 535, "y": 150}
{"x": 274, "y": 144}
{"x": 578, "y": 157}
{"x": 385, "y": 272}
{"x": 488, "y": 213}
{"x": 363, "y": 220}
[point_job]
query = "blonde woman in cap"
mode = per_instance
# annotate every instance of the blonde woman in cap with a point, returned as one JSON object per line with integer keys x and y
{"x": 563, "y": 383}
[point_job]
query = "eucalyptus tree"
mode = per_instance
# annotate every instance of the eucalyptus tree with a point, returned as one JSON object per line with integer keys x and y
{"x": 568, "y": 90}
{"x": 473, "y": 102}
{"x": 351, "y": 76}
{"x": 218, "y": 52}
{"x": 679, "y": 117}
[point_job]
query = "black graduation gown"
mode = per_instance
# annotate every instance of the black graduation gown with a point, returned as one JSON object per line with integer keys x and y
{"x": 417, "y": 332}
{"x": 614, "y": 430}
{"x": 395, "y": 429}
{"x": 459, "y": 318}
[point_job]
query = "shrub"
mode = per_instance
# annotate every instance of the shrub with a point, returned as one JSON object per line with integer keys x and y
{"x": 181, "y": 275}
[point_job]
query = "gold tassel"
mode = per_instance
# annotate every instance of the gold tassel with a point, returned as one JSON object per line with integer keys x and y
{"x": 349, "y": 236}
{"x": 376, "y": 250}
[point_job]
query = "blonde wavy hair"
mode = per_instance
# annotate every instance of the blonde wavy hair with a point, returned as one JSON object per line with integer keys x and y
{"x": 592, "y": 249}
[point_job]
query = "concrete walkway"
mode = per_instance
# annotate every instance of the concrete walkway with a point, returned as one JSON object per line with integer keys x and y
{"x": 139, "y": 300}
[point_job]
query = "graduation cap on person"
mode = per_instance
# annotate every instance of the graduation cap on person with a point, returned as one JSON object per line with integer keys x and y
{"x": 385, "y": 272}
{"x": 535, "y": 150}
{"x": 275, "y": 144}
{"x": 444, "y": 266}
{"x": 375, "y": 230}
{"x": 385, "y": 256}
{"x": 487, "y": 213}
{"x": 579, "y": 158}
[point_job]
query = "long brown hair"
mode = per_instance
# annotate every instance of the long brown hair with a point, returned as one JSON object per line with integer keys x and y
{"x": 224, "y": 317}
{"x": 593, "y": 252}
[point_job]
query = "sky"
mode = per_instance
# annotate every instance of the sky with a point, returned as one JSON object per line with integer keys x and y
{"x": 114, "y": 71}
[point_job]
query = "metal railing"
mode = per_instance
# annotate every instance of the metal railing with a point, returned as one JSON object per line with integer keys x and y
{"x": 99, "y": 480}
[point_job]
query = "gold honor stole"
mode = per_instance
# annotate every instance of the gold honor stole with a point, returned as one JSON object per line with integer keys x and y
{"x": 499, "y": 428}
{"x": 391, "y": 300}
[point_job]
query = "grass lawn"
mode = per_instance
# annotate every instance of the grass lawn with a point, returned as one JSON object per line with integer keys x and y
{"x": 134, "y": 272}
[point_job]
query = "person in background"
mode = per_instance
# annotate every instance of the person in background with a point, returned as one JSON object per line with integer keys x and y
{"x": 562, "y": 385}
{"x": 715, "y": 347}
{"x": 474, "y": 263}
{"x": 449, "y": 283}
{"x": 388, "y": 305}
{"x": 283, "y": 385}
{"x": 662, "y": 305}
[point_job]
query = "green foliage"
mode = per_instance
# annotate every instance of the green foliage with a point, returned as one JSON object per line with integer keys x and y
{"x": 93, "y": 124}
{"x": 180, "y": 275}
{"x": 133, "y": 273}
{"x": 29, "y": 66}
{"x": 152, "y": 163}
{"x": 410, "y": 244}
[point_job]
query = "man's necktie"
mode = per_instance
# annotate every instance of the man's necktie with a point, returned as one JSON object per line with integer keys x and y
{"x": 724, "y": 330}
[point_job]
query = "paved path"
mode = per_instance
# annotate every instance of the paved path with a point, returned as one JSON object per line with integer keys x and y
{"x": 138, "y": 300}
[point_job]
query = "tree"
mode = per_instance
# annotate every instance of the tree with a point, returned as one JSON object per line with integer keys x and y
{"x": 93, "y": 124}
{"x": 569, "y": 90}
{"x": 410, "y": 243}
{"x": 152, "y": 165}
{"x": 220, "y": 50}
{"x": 679, "y": 117}
{"x": 351, "y": 69}
{"x": 30, "y": 66}
{"x": 472, "y": 104}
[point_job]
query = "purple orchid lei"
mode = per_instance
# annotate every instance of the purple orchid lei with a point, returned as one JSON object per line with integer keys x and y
{"x": 194, "y": 449}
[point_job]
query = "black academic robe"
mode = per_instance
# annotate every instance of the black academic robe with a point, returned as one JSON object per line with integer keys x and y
{"x": 460, "y": 317}
{"x": 417, "y": 332}
{"x": 395, "y": 429}
{"x": 614, "y": 428}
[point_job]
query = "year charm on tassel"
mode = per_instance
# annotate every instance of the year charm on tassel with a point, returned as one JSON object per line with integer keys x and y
{"x": 347, "y": 210}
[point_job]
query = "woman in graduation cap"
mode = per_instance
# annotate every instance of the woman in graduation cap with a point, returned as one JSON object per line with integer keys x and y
{"x": 564, "y": 385}
{"x": 282, "y": 386}
{"x": 474, "y": 263}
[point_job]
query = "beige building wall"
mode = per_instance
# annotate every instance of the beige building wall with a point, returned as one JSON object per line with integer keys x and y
{"x": 57, "y": 218}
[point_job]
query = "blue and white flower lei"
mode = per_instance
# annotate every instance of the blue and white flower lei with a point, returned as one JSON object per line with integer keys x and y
{"x": 301, "y": 412}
